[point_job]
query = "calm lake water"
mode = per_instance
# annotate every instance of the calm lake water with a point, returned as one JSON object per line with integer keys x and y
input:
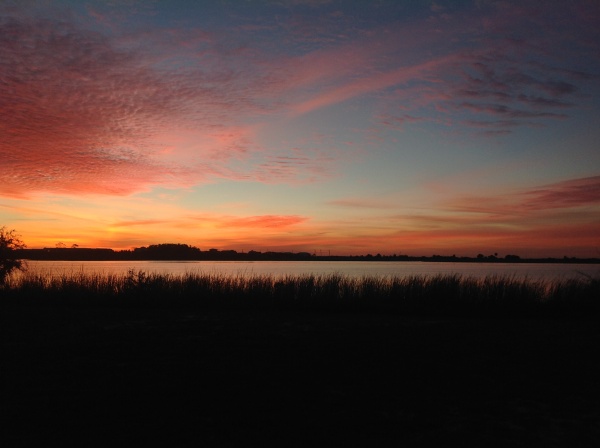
{"x": 534, "y": 271}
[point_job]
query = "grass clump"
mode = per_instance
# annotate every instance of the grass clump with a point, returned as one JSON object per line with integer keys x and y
{"x": 451, "y": 295}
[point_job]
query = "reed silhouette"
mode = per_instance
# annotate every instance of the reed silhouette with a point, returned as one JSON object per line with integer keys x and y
{"x": 296, "y": 361}
{"x": 441, "y": 295}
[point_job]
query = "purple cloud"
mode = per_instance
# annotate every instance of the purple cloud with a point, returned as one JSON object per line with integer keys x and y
{"x": 536, "y": 200}
{"x": 571, "y": 193}
{"x": 524, "y": 67}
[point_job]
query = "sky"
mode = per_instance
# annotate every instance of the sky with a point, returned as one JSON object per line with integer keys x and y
{"x": 326, "y": 126}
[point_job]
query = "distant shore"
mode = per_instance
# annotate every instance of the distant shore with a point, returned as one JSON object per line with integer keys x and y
{"x": 183, "y": 252}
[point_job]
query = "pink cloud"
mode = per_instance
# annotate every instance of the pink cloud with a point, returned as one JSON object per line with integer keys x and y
{"x": 263, "y": 221}
{"x": 85, "y": 113}
{"x": 372, "y": 83}
{"x": 567, "y": 194}
{"x": 81, "y": 113}
{"x": 213, "y": 222}
{"x": 139, "y": 222}
{"x": 533, "y": 207}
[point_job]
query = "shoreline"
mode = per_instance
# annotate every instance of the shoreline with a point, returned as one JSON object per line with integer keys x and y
{"x": 98, "y": 254}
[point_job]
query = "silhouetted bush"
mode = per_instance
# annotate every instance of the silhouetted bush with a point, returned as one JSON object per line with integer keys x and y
{"x": 10, "y": 244}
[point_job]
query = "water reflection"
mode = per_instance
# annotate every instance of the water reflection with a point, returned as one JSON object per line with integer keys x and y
{"x": 533, "y": 271}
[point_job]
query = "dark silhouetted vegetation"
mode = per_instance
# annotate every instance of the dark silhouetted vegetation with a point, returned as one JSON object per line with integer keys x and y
{"x": 172, "y": 251}
{"x": 451, "y": 295}
{"x": 313, "y": 360}
{"x": 10, "y": 244}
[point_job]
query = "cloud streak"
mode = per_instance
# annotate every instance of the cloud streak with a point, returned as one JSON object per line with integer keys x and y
{"x": 567, "y": 194}
{"x": 265, "y": 221}
{"x": 568, "y": 203}
{"x": 373, "y": 83}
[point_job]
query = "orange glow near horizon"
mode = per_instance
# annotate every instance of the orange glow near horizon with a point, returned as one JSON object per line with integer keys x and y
{"x": 445, "y": 234}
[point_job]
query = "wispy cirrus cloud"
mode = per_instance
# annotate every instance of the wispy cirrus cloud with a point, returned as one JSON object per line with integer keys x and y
{"x": 293, "y": 168}
{"x": 557, "y": 197}
{"x": 140, "y": 222}
{"x": 262, "y": 221}
{"x": 359, "y": 203}
{"x": 489, "y": 89}
{"x": 502, "y": 110}
{"x": 559, "y": 216}
{"x": 567, "y": 194}
{"x": 373, "y": 83}
{"x": 516, "y": 70}
{"x": 218, "y": 221}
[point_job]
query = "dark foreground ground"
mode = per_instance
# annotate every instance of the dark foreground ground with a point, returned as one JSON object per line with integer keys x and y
{"x": 107, "y": 377}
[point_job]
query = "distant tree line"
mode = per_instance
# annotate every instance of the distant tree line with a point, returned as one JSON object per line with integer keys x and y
{"x": 171, "y": 251}
{"x": 168, "y": 251}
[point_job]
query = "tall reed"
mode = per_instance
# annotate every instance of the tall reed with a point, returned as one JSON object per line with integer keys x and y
{"x": 441, "y": 295}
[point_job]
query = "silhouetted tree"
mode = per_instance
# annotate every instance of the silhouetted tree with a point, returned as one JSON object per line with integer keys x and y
{"x": 9, "y": 243}
{"x": 167, "y": 251}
